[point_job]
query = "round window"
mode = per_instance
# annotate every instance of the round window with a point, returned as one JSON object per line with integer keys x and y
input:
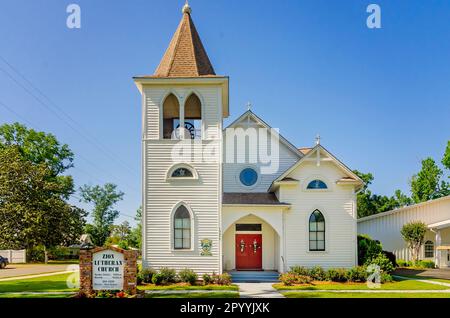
{"x": 248, "y": 177}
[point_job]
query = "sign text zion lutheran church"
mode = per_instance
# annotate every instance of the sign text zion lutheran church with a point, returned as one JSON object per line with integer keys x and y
{"x": 108, "y": 268}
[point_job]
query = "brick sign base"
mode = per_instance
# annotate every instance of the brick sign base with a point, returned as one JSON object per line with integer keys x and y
{"x": 129, "y": 272}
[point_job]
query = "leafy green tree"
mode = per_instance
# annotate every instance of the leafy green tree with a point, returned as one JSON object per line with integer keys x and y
{"x": 414, "y": 235}
{"x": 104, "y": 198}
{"x": 33, "y": 211}
{"x": 446, "y": 159}
{"x": 40, "y": 147}
{"x": 369, "y": 204}
{"x": 136, "y": 233}
{"x": 425, "y": 185}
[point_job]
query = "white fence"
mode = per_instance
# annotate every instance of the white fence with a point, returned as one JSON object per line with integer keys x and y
{"x": 14, "y": 256}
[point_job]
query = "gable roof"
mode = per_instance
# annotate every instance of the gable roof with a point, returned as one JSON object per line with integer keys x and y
{"x": 258, "y": 120}
{"x": 251, "y": 198}
{"x": 186, "y": 55}
{"x": 319, "y": 147}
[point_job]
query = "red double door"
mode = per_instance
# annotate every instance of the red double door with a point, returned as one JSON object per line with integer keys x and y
{"x": 248, "y": 251}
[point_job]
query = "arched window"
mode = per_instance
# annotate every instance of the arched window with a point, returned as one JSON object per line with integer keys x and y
{"x": 317, "y": 184}
{"x": 316, "y": 231}
{"x": 182, "y": 173}
{"x": 193, "y": 116}
{"x": 182, "y": 228}
{"x": 429, "y": 249}
{"x": 171, "y": 115}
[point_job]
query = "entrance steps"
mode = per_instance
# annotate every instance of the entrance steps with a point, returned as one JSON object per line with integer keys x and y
{"x": 254, "y": 276}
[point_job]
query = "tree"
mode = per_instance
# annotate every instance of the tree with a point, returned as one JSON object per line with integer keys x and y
{"x": 369, "y": 204}
{"x": 425, "y": 185}
{"x": 414, "y": 235}
{"x": 122, "y": 231}
{"x": 40, "y": 147}
{"x": 32, "y": 209}
{"x": 446, "y": 159}
{"x": 136, "y": 233}
{"x": 104, "y": 198}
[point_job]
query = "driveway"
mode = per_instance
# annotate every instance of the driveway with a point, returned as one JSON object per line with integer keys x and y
{"x": 31, "y": 269}
{"x": 441, "y": 273}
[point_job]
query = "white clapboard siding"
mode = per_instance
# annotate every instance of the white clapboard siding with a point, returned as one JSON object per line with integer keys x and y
{"x": 244, "y": 158}
{"x": 337, "y": 204}
{"x": 202, "y": 196}
{"x": 386, "y": 226}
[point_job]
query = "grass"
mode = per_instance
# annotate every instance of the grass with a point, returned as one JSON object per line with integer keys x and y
{"x": 194, "y": 295}
{"x": 427, "y": 278}
{"x": 188, "y": 287}
{"x": 54, "y": 283}
{"x": 10, "y": 295}
{"x": 397, "y": 285}
{"x": 365, "y": 295}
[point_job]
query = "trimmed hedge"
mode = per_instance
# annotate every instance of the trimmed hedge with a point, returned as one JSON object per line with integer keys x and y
{"x": 303, "y": 275}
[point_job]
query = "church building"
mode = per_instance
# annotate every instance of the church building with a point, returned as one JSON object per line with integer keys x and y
{"x": 241, "y": 197}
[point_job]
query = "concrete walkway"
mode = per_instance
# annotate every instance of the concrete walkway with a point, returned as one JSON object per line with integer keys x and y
{"x": 258, "y": 290}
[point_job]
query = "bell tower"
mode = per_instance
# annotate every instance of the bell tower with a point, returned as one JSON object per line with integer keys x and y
{"x": 183, "y": 106}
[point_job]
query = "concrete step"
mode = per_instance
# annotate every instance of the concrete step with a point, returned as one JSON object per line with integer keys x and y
{"x": 254, "y": 276}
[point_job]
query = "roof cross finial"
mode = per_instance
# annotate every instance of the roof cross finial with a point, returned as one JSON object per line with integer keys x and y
{"x": 249, "y": 106}
{"x": 318, "y": 139}
{"x": 186, "y": 8}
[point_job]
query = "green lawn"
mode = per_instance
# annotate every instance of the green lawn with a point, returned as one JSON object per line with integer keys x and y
{"x": 397, "y": 285}
{"x": 188, "y": 287}
{"x": 427, "y": 278}
{"x": 10, "y": 295}
{"x": 194, "y": 295}
{"x": 365, "y": 295}
{"x": 54, "y": 283}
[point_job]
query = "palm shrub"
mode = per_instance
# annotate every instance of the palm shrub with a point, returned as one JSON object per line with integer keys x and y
{"x": 337, "y": 275}
{"x": 207, "y": 279}
{"x": 300, "y": 270}
{"x": 318, "y": 273}
{"x": 357, "y": 274}
{"x": 145, "y": 275}
{"x": 188, "y": 276}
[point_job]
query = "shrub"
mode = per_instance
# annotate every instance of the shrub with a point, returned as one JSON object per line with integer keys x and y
{"x": 145, "y": 275}
{"x": 317, "y": 273}
{"x": 382, "y": 261}
{"x": 424, "y": 264}
{"x": 223, "y": 279}
{"x": 367, "y": 248}
{"x": 207, "y": 279}
{"x": 188, "y": 276}
{"x": 337, "y": 275}
{"x": 402, "y": 263}
{"x": 169, "y": 275}
{"x": 35, "y": 254}
{"x": 391, "y": 256}
{"x": 386, "y": 278}
{"x": 290, "y": 278}
{"x": 357, "y": 274}
{"x": 157, "y": 279}
{"x": 300, "y": 270}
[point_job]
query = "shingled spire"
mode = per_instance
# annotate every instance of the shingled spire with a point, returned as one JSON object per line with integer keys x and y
{"x": 185, "y": 56}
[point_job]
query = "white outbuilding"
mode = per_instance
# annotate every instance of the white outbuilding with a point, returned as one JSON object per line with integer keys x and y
{"x": 386, "y": 228}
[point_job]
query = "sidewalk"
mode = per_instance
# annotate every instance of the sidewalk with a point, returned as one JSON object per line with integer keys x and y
{"x": 258, "y": 290}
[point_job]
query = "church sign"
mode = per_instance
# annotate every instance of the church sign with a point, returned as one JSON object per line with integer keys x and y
{"x": 108, "y": 268}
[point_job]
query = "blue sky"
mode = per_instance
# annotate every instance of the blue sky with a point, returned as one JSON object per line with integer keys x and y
{"x": 378, "y": 97}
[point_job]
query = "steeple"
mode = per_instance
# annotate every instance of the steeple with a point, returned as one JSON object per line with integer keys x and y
{"x": 185, "y": 56}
